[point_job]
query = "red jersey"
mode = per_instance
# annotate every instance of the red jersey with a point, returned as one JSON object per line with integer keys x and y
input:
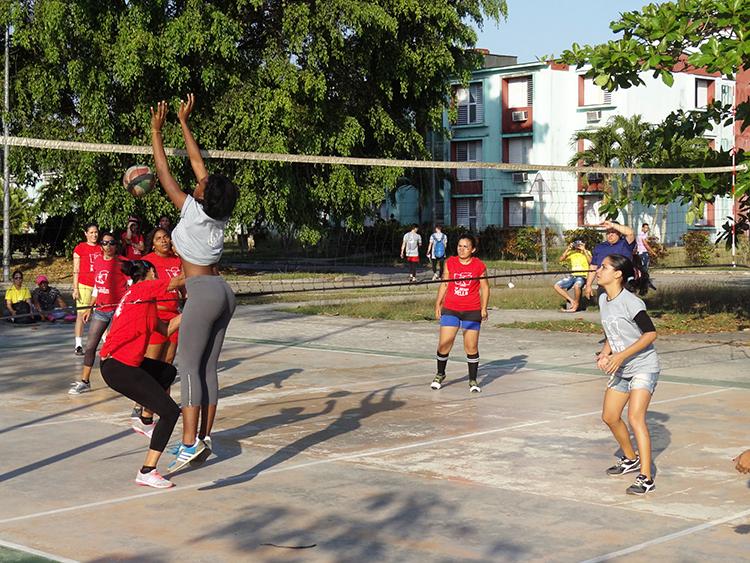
{"x": 109, "y": 282}
{"x": 132, "y": 253}
{"x": 167, "y": 267}
{"x": 133, "y": 323}
{"x": 87, "y": 253}
{"x": 464, "y": 295}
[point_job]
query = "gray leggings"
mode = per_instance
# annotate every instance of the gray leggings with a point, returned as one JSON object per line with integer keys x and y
{"x": 205, "y": 318}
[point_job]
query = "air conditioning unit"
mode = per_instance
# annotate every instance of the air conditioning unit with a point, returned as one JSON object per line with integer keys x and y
{"x": 593, "y": 116}
{"x": 520, "y": 177}
{"x": 519, "y": 115}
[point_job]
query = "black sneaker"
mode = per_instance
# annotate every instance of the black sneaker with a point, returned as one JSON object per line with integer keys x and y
{"x": 624, "y": 465}
{"x": 474, "y": 386}
{"x": 437, "y": 383}
{"x": 79, "y": 351}
{"x": 641, "y": 486}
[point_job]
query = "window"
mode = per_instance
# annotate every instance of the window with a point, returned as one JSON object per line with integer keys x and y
{"x": 469, "y": 213}
{"x": 468, "y": 151}
{"x": 593, "y": 95}
{"x": 520, "y": 92}
{"x": 701, "y": 93}
{"x": 519, "y": 150}
{"x": 727, "y": 94}
{"x": 520, "y": 211}
{"x": 589, "y": 209}
{"x": 470, "y": 103}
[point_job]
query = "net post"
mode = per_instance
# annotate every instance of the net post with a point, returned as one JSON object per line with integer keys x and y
{"x": 6, "y": 166}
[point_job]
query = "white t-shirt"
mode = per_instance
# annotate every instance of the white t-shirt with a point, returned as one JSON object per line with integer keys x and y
{"x": 413, "y": 242}
{"x": 198, "y": 238}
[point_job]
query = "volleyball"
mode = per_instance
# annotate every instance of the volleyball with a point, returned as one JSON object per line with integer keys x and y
{"x": 138, "y": 180}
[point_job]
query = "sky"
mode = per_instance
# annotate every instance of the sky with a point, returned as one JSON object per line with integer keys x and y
{"x": 547, "y": 27}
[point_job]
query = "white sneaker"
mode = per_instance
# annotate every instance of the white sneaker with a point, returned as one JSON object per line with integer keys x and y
{"x": 80, "y": 387}
{"x": 435, "y": 277}
{"x": 146, "y": 430}
{"x": 153, "y": 479}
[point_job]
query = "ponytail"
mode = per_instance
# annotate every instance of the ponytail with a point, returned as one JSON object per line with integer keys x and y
{"x": 634, "y": 279}
{"x": 137, "y": 270}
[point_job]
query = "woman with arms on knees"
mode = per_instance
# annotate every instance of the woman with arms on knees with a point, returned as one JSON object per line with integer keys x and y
{"x": 630, "y": 359}
{"x": 126, "y": 369}
{"x": 199, "y": 240}
{"x": 84, "y": 255}
{"x": 462, "y": 303}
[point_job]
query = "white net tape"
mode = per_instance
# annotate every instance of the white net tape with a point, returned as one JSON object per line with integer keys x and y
{"x": 352, "y": 161}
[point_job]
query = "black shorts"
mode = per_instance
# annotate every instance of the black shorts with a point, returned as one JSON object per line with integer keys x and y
{"x": 467, "y": 320}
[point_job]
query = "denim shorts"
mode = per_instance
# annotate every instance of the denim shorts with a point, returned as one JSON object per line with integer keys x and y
{"x": 103, "y": 316}
{"x": 467, "y": 320}
{"x": 569, "y": 281}
{"x": 646, "y": 381}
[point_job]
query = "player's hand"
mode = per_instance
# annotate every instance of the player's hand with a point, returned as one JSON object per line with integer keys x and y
{"x": 613, "y": 363}
{"x": 587, "y": 291}
{"x": 484, "y": 314}
{"x": 86, "y": 315}
{"x": 186, "y": 108}
{"x": 158, "y": 116}
{"x": 601, "y": 362}
{"x": 75, "y": 293}
{"x": 743, "y": 462}
{"x": 438, "y": 312}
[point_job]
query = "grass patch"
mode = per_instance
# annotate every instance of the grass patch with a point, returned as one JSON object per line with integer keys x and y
{"x": 667, "y": 323}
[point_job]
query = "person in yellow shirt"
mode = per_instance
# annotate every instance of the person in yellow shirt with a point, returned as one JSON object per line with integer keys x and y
{"x": 579, "y": 258}
{"x": 18, "y": 301}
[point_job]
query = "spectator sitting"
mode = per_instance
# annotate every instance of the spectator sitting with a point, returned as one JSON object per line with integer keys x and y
{"x": 579, "y": 258}
{"x": 18, "y": 301}
{"x": 48, "y": 301}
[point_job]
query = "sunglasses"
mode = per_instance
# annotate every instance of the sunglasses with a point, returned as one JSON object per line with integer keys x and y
{"x": 17, "y": 277}
{"x": 108, "y": 243}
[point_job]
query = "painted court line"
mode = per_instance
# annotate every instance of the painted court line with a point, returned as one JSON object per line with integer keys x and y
{"x": 32, "y": 551}
{"x": 335, "y": 459}
{"x": 669, "y": 537}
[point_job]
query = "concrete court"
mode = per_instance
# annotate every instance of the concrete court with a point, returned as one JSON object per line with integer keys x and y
{"x": 328, "y": 435}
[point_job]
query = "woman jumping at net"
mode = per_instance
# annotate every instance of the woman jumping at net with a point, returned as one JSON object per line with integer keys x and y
{"x": 631, "y": 361}
{"x": 199, "y": 240}
{"x": 126, "y": 369}
{"x": 462, "y": 303}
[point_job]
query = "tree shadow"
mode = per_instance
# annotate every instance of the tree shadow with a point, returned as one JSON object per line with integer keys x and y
{"x": 348, "y": 421}
{"x": 393, "y": 525}
{"x": 490, "y": 371}
{"x": 742, "y": 529}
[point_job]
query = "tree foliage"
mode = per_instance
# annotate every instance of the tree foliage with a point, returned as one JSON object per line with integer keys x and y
{"x": 662, "y": 39}
{"x": 340, "y": 77}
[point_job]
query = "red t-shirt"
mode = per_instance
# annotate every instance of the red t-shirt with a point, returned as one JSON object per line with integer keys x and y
{"x": 109, "y": 282}
{"x": 167, "y": 267}
{"x": 87, "y": 253}
{"x": 133, "y": 322}
{"x": 131, "y": 253}
{"x": 464, "y": 295}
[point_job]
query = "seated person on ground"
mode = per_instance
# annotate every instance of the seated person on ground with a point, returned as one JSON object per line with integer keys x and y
{"x": 579, "y": 258}
{"x": 18, "y": 301}
{"x": 48, "y": 301}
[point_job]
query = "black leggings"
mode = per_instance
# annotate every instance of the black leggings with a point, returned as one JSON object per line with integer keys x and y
{"x": 147, "y": 385}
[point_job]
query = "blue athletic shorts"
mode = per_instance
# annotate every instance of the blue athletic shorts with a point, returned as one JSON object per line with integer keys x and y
{"x": 467, "y": 320}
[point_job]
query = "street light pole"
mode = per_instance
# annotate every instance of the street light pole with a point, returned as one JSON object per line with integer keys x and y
{"x": 6, "y": 167}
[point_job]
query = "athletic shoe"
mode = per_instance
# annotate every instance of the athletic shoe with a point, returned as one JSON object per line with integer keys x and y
{"x": 641, "y": 486}
{"x": 474, "y": 386}
{"x": 204, "y": 455}
{"x": 146, "y": 430}
{"x": 624, "y": 465}
{"x": 185, "y": 455}
{"x": 79, "y": 351}
{"x": 435, "y": 277}
{"x": 437, "y": 383}
{"x": 80, "y": 387}
{"x": 136, "y": 413}
{"x": 153, "y": 479}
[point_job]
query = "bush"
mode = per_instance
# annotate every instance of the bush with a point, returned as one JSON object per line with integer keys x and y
{"x": 590, "y": 236}
{"x": 526, "y": 243}
{"x": 698, "y": 247}
{"x": 659, "y": 251}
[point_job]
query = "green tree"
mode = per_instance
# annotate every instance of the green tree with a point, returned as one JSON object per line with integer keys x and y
{"x": 667, "y": 37}
{"x": 333, "y": 78}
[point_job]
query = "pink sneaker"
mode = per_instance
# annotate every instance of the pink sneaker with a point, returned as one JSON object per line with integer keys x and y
{"x": 153, "y": 479}
{"x": 146, "y": 430}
